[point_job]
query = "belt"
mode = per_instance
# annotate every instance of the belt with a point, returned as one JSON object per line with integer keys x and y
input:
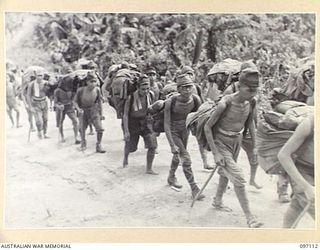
{"x": 230, "y": 133}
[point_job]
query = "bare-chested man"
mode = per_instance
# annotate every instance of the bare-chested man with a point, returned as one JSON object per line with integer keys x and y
{"x": 37, "y": 103}
{"x": 64, "y": 106}
{"x": 88, "y": 102}
{"x": 224, "y": 135}
{"x": 136, "y": 123}
{"x": 11, "y": 98}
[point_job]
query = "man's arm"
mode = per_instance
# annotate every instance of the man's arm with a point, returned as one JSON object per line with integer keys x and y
{"x": 28, "y": 96}
{"x": 252, "y": 131}
{"x": 75, "y": 101}
{"x": 125, "y": 119}
{"x": 24, "y": 92}
{"x": 100, "y": 102}
{"x": 295, "y": 141}
{"x": 56, "y": 102}
{"x": 208, "y": 132}
{"x": 167, "y": 125}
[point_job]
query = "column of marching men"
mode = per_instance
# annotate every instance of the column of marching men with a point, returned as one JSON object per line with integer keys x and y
{"x": 149, "y": 105}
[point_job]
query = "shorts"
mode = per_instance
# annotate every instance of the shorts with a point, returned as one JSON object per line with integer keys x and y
{"x": 180, "y": 136}
{"x": 247, "y": 146}
{"x": 69, "y": 111}
{"x": 91, "y": 116}
{"x": 137, "y": 128}
{"x": 229, "y": 148}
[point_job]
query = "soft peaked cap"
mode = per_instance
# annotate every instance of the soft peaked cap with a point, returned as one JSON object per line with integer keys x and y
{"x": 184, "y": 80}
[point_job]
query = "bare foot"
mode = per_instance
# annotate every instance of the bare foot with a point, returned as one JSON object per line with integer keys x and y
{"x": 125, "y": 164}
{"x": 206, "y": 166}
{"x": 150, "y": 171}
{"x": 253, "y": 183}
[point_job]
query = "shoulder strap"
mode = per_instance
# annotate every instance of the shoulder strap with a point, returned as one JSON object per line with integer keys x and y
{"x": 152, "y": 95}
{"x": 196, "y": 102}
{"x": 173, "y": 102}
{"x": 98, "y": 95}
{"x": 233, "y": 87}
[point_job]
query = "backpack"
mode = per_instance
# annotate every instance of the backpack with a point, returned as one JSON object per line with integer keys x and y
{"x": 74, "y": 80}
{"x": 196, "y": 121}
{"x": 157, "y": 112}
{"x": 122, "y": 85}
{"x": 273, "y": 131}
{"x": 298, "y": 87}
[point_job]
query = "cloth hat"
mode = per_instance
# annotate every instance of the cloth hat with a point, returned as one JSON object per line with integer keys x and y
{"x": 186, "y": 69}
{"x": 184, "y": 80}
{"x": 249, "y": 77}
{"x": 144, "y": 80}
{"x": 248, "y": 65}
{"x": 227, "y": 66}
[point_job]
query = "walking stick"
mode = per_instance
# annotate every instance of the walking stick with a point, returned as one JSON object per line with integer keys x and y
{"x": 303, "y": 212}
{"x": 204, "y": 186}
{"x": 29, "y": 134}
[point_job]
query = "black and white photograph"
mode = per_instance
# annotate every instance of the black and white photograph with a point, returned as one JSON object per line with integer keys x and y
{"x": 159, "y": 120}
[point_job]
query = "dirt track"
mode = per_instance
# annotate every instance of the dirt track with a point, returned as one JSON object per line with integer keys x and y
{"x": 55, "y": 185}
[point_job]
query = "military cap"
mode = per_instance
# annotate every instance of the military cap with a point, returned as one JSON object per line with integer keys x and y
{"x": 184, "y": 80}
{"x": 187, "y": 69}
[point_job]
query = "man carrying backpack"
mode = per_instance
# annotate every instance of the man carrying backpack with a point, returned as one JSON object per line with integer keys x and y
{"x": 12, "y": 91}
{"x": 37, "y": 103}
{"x": 247, "y": 144}
{"x": 188, "y": 71}
{"x": 88, "y": 102}
{"x": 224, "y": 131}
{"x": 300, "y": 170}
{"x": 176, "y": 111}
{"x": 136, "y": 123}
{"x": 155, "y": 86}
{"x": 64, "y": 106}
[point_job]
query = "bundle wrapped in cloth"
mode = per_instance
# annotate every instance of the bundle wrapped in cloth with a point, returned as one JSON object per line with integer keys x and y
{"x": 269, "y": 142}
{"x": 273, "y": 131}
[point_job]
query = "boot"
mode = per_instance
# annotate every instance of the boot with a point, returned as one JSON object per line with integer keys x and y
{"x": 195, "y": 190}
{"x": 99, "y": 149}
{"x": 39, "y": 134}
{"x": 45, "y": 125}
{"x": 83, "y": 145}
{"x": 172, "y": 181}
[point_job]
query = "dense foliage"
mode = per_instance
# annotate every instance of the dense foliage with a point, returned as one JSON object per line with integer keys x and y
{"x": 276, "y": 42}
